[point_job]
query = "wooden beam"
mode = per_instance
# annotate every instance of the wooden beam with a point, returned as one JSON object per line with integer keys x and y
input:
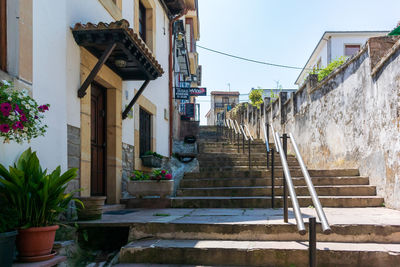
{"x": 135, "y": 98}
{"x": 96, "y": 69}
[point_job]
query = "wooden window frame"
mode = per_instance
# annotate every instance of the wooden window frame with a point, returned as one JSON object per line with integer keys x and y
{"x": 3, "y": 35}
{"x": 142, "y": 21}
{"x": 350, "y": 45}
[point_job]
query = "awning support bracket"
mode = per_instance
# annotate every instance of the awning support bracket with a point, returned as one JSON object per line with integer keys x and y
{"x": 134, "y": 99}
{"x": 106, "y": 54}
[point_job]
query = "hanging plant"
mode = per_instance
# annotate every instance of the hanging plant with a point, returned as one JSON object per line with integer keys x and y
{"x": 20, "y": 115}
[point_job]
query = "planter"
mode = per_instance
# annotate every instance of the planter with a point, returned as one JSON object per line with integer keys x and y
{"x": 162, "y": 188}
{"x": 151, "y": 161}
{"x": 93, "y": 208}
{"x": 7, "y": 248}
{"x": 35, "y": 242}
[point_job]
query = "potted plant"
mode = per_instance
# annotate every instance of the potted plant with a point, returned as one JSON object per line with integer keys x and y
{"x": 151, "y": 159}
{"x": 8, "y": 224}
{"x": 38, "y": 198}
{"x": 20, "y": 116}
{"x": 92, "y": 208}
{"x": 160, "y": 183}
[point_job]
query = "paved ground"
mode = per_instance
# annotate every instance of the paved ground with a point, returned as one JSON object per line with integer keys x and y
{"x": 366, "y": 216}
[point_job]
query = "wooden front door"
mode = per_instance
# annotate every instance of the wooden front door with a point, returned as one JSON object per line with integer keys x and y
{"x": 98, "y": 140}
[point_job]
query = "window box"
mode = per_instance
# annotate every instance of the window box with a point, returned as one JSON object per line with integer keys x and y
{"x": 151, "y": 161}
{"x": 162, "y": 188}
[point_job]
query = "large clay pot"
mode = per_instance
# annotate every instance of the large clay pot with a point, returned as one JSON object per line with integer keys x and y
{"x": 35, "y": 241}
{"x": 7, "y": 248}
{"x": 93, "y": 208}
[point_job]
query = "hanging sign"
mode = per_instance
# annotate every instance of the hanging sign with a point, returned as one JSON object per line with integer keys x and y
{"x": 184, "y": 84}
{"x": 189, "y": 107}
{"x": 182, "y": 93}
{"x": 198, "y": 91}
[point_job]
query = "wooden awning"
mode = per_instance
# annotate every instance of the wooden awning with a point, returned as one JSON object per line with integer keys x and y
{"x": 138, "y": 62}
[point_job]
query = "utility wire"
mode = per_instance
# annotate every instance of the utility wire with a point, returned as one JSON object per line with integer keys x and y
{"x": 251, "y": 60}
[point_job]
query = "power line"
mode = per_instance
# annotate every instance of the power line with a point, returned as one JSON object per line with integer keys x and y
{"x": 251, "y": 60}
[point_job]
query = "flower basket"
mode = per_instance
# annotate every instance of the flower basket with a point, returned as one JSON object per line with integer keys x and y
{"x": 151, "y": 161}
{"x": 162, "y": 188}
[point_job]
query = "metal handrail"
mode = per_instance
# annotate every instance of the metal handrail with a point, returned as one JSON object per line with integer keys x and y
{"x": 233, "y": 126}
{"x": 266, "y": 137}
{"x": 248, "y": 132}
{"x": 244, "y": 134}
{"x": 292, "y": 192}
{"x": 314, "y": 196}
{"x": 237, "y": 126}
{"x": 273, "y": 135}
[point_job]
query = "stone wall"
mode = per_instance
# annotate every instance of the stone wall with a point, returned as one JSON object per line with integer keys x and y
{"x": 74, "y": 155}
{"x": 351, "y": 119}
{"x": 128, "y": 165}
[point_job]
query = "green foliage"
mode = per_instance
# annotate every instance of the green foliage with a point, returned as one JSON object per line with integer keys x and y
{"x": 139, "y": 176}
{"x": 155, "y": 154}
{"x": 161, "y": 214}
{"x": 256, "y": 97}
{"x": 322, "y": 73}
{"x": 161, "y": 174}
{"x": 8, "y": 217}
{"x": 38, "y": 197}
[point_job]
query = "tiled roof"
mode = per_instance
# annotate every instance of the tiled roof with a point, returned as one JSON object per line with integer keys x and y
{"x": 224, "y": 93}
{"x": 122, "y": 25}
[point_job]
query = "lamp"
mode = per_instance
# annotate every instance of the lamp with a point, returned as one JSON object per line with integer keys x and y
{"x": 120, "y": 63}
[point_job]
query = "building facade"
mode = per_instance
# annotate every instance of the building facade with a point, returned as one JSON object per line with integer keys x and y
{"x": 106, "y": 69}
{"x": 221, "y": 102}
{"x": 333, "y": 45}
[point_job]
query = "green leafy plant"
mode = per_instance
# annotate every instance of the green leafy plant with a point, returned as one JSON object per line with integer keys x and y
{"x": 8, "y": 217}
{"x": 38, "y": 197}
{"x": 160, "y": 174}
{"x": 322, "y": 73}
{"x": 139, "y": 176}
{"x": 256, "y": 97}
{"x": 151, "y": 153}
{"x": 20, "y": 116}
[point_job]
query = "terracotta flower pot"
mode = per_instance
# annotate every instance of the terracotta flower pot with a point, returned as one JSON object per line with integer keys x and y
{"x": 93, "y": 208}
{"x": 36, "y": 241}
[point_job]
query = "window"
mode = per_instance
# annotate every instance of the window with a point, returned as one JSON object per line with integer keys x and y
{"x": 144, "y": 131}
{"x": 225, "y": 100}
{"x": 350, "y": 50}
{"x": 142, "y": 21}
{"x": 3, "y": 35}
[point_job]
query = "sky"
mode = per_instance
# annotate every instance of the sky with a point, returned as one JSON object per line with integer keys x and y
{"x": 277, "y": 31}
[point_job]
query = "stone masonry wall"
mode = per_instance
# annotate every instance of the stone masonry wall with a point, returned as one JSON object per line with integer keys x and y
{"x": 351, "y": 119}
{"x": 128, "y": 165}
{"x": 74, "y": 155}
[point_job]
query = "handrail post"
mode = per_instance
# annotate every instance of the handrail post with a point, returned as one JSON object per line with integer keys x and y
{"x": 312, "y": 242}
{"x": 243, "y": 143}
{"x": 249, "y": 154}
{"x": 267, "y": 140}
{"x": 285, "y": 193}
{"x": 272, "y": 179}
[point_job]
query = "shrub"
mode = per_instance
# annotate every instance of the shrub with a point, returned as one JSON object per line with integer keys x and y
{"x": 139, "y": 176}
{"x": 322, "y": 73}
{"x": 20, "y": 116}
{"x": 155, "y": 154}
{"x": 256, "y": 97}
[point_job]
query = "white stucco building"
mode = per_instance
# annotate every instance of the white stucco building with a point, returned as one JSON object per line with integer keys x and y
{"x": 333, "y": 45}
{"x": 52, "y": 48}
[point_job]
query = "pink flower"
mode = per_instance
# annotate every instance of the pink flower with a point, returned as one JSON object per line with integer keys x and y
{"x": 23, "y": 118}
{"x": 4, "y": 128}
{"x": 43, "y": 108}
{"x": 18, "y": 109}
{"x": 163, "y": 172}
{"x": 168, "y": 176}
{"x": 5, "y": 107}
{"x": 18, "y": 125}
{"x": 6, "y": 113}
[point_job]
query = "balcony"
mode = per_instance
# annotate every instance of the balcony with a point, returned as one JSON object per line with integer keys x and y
{"x": 223, "y": 105}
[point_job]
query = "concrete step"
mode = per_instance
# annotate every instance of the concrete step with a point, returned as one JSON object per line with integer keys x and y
{"x": 238, "y": 168}
{"x": 348, "y": 190}
{"x": 258, "y": 253}
{"x": 297, "y": 181}
{"x": 258, "y": 228}
{"x": 265, "y": 202}
{"x": 266, "y": 173}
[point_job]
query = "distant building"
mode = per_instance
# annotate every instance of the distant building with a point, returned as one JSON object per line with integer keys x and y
{"x": 274, "y": 93}
{"x": 221, "y": 102}
{"x": 334, "y": 44}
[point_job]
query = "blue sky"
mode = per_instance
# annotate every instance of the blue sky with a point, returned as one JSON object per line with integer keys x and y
{"x": 279, "y": 31}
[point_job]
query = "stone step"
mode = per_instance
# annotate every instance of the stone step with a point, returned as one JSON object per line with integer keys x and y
{"x": 266, "y": 173}
{"x": 297, "y": 181}
{"x": 347, "y": 190}
{"x": 238, "y": 168}
{"x": 265, "y": 202}
{"x": 258, "y": 253}
{"x": 259, "y": 228}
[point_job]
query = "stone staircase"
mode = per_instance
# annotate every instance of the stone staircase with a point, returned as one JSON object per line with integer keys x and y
{"x": 238, "y": 228}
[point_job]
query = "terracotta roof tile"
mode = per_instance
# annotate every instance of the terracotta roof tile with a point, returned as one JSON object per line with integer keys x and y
{"x": 224, "y": 93}
{"x": 122, "y": 24}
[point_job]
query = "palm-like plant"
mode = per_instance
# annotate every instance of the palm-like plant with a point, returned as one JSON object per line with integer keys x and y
{"x": 38, "y": 197}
